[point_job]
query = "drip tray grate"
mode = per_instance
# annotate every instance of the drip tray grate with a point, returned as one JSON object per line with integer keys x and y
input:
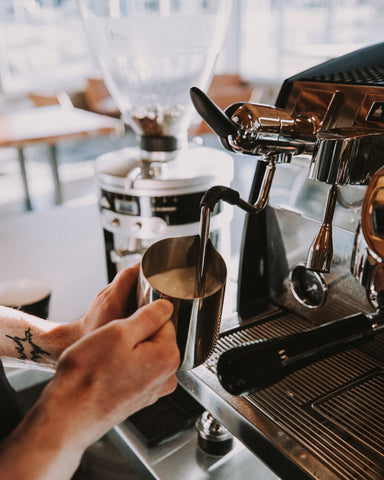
{"x": 358, "y": 410}
{"x": 334, "y": 408}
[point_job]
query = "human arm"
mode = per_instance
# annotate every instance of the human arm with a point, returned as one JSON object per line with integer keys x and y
{"x": 100, "y": 380}
{"x": 29, "y": 338}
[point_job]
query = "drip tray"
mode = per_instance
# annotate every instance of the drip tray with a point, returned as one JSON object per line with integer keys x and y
{"x": 334, "y": 408}
{"x": 358, "y": 410}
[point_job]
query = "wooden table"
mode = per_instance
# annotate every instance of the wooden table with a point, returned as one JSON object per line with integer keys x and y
{"x": 49, "y": 125}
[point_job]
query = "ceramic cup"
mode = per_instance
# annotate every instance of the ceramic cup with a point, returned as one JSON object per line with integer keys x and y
{"x": 29, "y": 294}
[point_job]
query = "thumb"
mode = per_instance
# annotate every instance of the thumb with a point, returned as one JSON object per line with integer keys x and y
{"x": 148, "y": 320}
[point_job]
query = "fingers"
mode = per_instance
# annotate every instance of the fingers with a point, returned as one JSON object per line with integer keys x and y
{"x": 166, "y": 333}
{"x": 124, "y": 286}
{"x": 163, "y": 345}
{"x": 125, "y": 280}
{"x": 148, "y": 320}
{"x": 115, "y": 300}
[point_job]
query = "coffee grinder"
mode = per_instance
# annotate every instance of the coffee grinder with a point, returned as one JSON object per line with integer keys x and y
{"x": 150, "y": 54}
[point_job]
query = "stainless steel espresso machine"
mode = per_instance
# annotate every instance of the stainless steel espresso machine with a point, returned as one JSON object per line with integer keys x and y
{"x": 298, "y": 376}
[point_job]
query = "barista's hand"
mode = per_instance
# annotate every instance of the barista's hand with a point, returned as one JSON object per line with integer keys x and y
{"x": 119, "y": 369}
{"x": 100, "y": 380}
{"x": 116, "y": 300}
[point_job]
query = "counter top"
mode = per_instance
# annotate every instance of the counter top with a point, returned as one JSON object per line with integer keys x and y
{"x": 64, "y": 246}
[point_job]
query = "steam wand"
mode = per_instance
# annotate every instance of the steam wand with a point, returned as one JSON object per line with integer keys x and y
{"x": 321, "y": 251}
{"x": 267, "y": 126}
{"x": 207, "y": 204}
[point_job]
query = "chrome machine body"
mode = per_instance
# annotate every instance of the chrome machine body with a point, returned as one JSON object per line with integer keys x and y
{"x": 308, "y": 258}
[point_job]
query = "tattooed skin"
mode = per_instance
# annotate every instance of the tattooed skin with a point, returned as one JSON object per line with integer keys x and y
{"x": 26, "y": 349}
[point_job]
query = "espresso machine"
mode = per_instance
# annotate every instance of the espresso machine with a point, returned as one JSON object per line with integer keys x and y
{"x": 149, "y": 54}
{"x": 298, "y": 374}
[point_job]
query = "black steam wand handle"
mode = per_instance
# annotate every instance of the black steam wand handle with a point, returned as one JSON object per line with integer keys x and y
{"x": 220, "y": 123}
{"x": 227, "y": 194}
{"x": 257, "y": 365}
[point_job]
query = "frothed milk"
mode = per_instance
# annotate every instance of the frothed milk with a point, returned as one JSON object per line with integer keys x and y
{"x": 181, "y": 283}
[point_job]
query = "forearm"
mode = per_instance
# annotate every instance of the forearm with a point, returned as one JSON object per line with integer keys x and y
{"x": 29, "y": 338}
{"x": 103, "y": 378}
{"x": 40, "y": 448}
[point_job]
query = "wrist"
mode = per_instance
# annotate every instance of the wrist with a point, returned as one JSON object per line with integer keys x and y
{"x": 70, "y": 388}
{"x": 30, "y": 338}
{"x": 60, "y": 337}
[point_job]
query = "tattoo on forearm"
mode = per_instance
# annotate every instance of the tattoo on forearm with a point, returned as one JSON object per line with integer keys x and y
{"x": 27, "y": 349}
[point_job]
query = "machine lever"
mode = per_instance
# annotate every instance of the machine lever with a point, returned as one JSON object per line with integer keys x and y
{"x": 257, "y": 365}
{"x": 220, "y": 123}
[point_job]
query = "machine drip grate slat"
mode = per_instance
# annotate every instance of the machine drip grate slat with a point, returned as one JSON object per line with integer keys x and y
{"x": 322, "y": 440}
{"x": 358, "y": 410}
{"x": 333, "y": 407}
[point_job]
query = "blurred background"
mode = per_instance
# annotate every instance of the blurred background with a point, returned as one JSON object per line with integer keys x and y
{"x": 43, "y": 46}
{"x": 45, "y": 58}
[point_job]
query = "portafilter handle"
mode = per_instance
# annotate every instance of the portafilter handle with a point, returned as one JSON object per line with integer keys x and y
{"x": 257, "y": 365}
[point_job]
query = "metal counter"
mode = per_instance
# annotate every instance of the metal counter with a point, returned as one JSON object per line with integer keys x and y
{"x": 179, "y": 457}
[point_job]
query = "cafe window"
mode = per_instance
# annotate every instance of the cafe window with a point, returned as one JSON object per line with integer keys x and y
{"x": 43, "y": 45}
{"x": 279, "y": 38}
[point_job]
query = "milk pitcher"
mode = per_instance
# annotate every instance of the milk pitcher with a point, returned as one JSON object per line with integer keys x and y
{"x": 168, "y": 270}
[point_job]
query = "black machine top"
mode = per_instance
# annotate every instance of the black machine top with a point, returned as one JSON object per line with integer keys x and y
{"x": 361, "y": 67}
